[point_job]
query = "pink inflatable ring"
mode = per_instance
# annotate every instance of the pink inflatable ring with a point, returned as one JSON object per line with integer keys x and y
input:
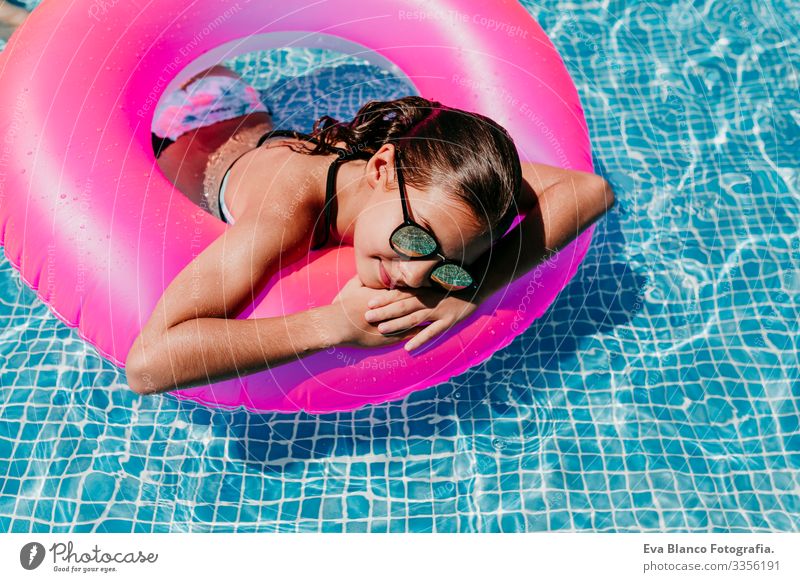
{"x": 99, "y": 233}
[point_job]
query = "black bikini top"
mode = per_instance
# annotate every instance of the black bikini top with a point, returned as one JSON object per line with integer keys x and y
{"x": 330, "y": 187}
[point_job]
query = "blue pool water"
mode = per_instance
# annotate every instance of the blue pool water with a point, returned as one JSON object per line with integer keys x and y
{"x": 659, "y": 393}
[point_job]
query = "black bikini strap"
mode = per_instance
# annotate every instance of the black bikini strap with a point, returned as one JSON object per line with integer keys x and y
{"x": 343, "y": 153}
{"x": 330, "y": 192}
{"x": 330, "y": 185}
{"x": 285, "y": 133}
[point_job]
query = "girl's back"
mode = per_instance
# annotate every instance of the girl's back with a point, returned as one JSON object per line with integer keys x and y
{"x": 276, "y": 173}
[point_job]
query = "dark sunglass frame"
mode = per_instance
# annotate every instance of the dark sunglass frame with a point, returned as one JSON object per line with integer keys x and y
{"x": 437, "y": 252}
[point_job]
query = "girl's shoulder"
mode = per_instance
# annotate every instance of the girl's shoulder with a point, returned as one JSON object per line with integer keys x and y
{"x": 278, "y": 177}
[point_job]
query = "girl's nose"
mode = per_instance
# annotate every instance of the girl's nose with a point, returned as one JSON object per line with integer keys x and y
{"x": 415, "y": 273}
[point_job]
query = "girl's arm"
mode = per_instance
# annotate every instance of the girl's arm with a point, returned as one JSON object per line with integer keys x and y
{"x": 558, "y": 205}
{"x": 189, "y": 341}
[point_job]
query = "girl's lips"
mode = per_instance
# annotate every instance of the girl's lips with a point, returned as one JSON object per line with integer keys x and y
{"x": 385, "y": 276}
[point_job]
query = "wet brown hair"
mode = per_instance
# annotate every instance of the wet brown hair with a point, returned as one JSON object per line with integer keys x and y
{"x": 468, "y": 155}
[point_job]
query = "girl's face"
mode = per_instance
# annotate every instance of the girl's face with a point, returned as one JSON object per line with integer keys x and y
{"x": 451, "y": 222}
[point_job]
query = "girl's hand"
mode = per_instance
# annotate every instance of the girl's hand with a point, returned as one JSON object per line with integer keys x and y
{"x": 348, "y": 308}
{"x": 399, "y": 309}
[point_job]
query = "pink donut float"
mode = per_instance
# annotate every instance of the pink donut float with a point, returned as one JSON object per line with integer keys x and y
{"x": 99, "y": 232}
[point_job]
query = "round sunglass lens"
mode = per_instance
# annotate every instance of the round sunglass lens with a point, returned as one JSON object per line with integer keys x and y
{"x": 413, "y": 242}
{"x": 451, "y": 277}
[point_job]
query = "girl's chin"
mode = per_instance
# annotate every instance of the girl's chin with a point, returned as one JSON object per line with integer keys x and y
{"x": 372, "y": 279}
{"x": 370, "y": 282}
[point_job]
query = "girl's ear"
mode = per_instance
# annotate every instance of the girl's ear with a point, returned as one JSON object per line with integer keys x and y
{"x": 375, "y": 169}
{"x": 384, "y": 158}
{"x": 379, "y": 166}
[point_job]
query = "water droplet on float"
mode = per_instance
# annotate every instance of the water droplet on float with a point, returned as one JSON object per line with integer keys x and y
{"x": 63, "y": 196}
{"x": 82, "y": 226}
{"x": 30, "y": 152}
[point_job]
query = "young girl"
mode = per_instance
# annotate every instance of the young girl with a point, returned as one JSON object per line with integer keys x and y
{"x": 420, "y": 190}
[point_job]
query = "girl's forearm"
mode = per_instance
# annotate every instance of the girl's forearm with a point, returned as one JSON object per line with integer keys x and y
{"x": 207, "y": 350}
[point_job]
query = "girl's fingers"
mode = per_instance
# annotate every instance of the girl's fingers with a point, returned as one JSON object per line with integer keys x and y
{"x": 427, "y": 333}
{"x": 393, "y": 310}
{"x": 377, "y": 301}
{"x": 388, "y": 296}
{"x": 402, "y": 323}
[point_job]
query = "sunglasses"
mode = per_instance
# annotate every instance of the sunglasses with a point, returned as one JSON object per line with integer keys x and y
{"x": 414, "y": 242}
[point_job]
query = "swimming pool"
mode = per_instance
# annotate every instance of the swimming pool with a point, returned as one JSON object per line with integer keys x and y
{"x": 659, "y": 393}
